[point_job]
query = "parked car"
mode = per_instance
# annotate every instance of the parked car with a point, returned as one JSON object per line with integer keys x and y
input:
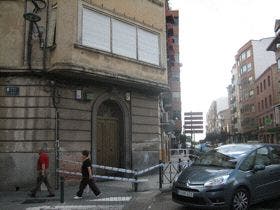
{"x": 231, "y": 176}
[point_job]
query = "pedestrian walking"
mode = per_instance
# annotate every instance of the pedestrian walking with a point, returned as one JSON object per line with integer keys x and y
{"x": 42, "y": 173}
{"x": 87, "y": 178}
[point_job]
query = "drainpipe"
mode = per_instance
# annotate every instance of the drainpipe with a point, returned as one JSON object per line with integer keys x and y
{"x": 46, "y": 38}
{"x": 56, "y": 134}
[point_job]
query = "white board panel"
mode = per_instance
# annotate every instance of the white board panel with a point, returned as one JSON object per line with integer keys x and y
{"x": 148, "y": 47}
{"x": 96, "y": 30}
{"x": 123, "y": 39}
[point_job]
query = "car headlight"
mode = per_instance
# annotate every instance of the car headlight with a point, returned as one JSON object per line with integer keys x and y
{"x": 216, "y": 181}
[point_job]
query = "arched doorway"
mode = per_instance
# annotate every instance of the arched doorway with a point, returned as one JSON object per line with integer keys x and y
{"x": 110, "y": 148}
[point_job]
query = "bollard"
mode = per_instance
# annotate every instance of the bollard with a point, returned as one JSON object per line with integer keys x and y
{"x": 61, "y": 189}
{"x": 160, "y": 175}
{"x": 135, "y": 183}
{"x": 180, "y": 165}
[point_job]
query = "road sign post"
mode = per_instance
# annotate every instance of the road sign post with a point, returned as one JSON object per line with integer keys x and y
{"x": 193, "y": 123}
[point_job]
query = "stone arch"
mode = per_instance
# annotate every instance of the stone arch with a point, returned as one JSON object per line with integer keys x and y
{"x": 126, "y": 126}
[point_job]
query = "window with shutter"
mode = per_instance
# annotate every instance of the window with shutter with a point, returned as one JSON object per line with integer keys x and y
{"x": 96, "y": 30}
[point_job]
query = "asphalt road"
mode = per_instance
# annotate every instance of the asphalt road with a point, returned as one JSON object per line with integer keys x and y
{"x": 164, "y": 202}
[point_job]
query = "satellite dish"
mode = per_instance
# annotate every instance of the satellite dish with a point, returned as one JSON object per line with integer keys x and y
{"x": 32, "y": 17}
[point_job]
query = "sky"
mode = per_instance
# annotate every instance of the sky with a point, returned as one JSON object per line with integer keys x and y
{"x": 210, "y": 34}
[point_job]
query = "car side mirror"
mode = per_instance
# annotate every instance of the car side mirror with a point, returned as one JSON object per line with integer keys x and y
{"x": 259, "y": 167}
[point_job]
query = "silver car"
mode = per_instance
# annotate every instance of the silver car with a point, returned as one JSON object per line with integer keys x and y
{"x": 231, "y": 176}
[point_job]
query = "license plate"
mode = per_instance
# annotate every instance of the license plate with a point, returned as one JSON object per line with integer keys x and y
{"x": 185, "y": 193}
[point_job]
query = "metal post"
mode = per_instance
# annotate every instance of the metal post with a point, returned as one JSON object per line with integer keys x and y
{"x": 160, "y": 175}
{"x": 57, "y": 149}
{"x": 61, "y": 189}
{"x": 135, "y": 183}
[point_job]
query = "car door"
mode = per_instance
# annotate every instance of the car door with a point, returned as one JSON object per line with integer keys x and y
{"x": 261, "y": 178}
{"x": 274, "y": 169}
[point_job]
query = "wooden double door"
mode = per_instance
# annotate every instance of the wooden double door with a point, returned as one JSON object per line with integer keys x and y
{"x": 108, "y": 141}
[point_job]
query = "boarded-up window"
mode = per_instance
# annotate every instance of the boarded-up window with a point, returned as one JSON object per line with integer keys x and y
{"x": 96, "y": 30}
{"x": 106, "y": 33}
{"x": 123, "y": 39}
{"x": 148, "y": 47}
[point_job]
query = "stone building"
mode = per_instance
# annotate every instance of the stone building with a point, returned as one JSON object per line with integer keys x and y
{"x": 81, "y": 74}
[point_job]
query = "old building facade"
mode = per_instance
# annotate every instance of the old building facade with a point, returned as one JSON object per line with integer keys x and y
{"x": 75, "y": 75}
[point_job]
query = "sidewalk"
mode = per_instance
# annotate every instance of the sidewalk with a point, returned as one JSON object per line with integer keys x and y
{"x": 116, "y": 195}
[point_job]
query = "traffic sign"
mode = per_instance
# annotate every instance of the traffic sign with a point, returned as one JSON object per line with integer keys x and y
{"x": 193, "y": 127}
{"x": 193, "y": 118}
{"x": 193, "y": 131}
{"x": 193, "y": 113}
{"x": 193, "y": 122}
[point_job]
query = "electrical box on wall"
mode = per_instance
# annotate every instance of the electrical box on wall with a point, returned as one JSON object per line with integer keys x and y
{"x": 83, "y": 95}
{"x": 79, "y": 95}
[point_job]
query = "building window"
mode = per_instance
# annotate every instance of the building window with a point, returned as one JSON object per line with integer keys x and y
{"x": 123, "y": 39}
{"x": 278, "y": 64}
{"x": 96, "y": 30}
{"x": 248, "y": 53}
{"x": 249, "y": 66}
{"x": 148, "y": 47}
{"x": 270, "y": 100}
{"x": 258, "y": 90}
{"x": 264, "y": 84}
{"x": 268, "y": 81}
{"x": 262, "y": 105}
{"x": 108, "y": 34}
{"x": 261, "y": 86}
{"x": 265, "y": 103}
{"x": 259, "y": 106}
{"x": 245, "y": 55}
{"x": 251, "y": 93}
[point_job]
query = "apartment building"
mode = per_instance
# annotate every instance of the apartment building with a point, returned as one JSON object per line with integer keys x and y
{"x": 233, "y": 96}
{"x": 275, "y": 47}
{"x": 172, "y": 98}
{"x": 267, "y": 89}
{"x": 252, "y": 60}
{"x": 76, "y": 75}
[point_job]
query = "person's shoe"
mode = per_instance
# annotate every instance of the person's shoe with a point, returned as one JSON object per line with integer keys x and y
{"x": 77, "y": 197}
{"x": 99, "y": 195}
{"x": 51, "y": 195}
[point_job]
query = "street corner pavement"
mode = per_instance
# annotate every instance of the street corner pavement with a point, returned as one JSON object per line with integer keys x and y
{"x": 115, "y": 196}
{"x": 142, "y": 200}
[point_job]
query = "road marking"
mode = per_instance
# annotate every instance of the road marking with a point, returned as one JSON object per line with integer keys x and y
{"x": 80, "y": 207}
{"x": 113, "y": 199}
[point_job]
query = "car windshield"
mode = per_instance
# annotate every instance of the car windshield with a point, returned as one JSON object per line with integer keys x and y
{"x": 225, "y": 156}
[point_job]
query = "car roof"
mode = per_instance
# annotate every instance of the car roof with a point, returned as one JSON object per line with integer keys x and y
{"x": 237, "y": 150}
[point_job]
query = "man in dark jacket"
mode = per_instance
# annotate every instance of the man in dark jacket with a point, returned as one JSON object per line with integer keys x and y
{"x": 87, "y": 178}
{"x": 42, "y": 171}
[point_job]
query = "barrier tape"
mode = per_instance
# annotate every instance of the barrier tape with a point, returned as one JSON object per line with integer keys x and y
{"x": 149, "y": 169}
{"x": 105, "y": 177}
{"x": 109, "y": 168}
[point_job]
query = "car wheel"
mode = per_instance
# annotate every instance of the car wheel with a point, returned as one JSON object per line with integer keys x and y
{"x": 240, "y": 199}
